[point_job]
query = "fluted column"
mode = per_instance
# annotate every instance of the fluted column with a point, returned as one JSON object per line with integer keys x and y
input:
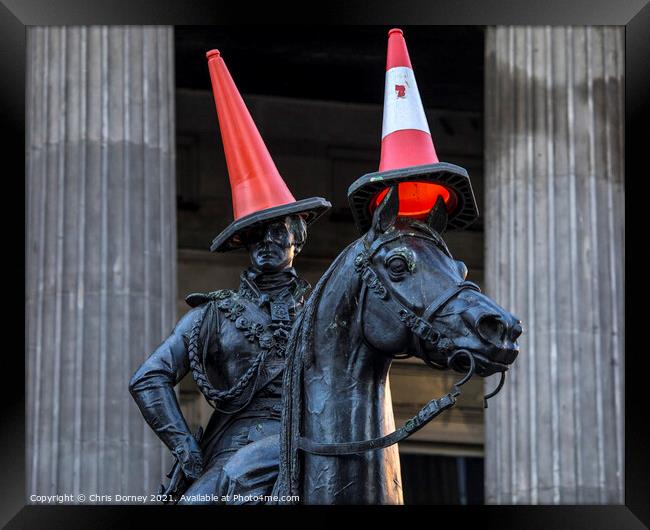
{"x": 100, "y": 251}
{"x": 555, "y": 257}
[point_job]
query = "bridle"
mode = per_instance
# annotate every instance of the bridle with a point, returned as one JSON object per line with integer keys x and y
{"x": 420, "y": 325}
{"x": 422, "y": 330}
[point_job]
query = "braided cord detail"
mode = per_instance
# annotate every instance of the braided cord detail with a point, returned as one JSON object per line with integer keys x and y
{"x": 211, "y": 394}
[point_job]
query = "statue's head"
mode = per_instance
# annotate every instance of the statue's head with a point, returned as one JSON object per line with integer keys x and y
{"x": 274, "y": 245}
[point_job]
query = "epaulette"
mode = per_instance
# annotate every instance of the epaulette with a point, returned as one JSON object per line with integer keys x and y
{"x": 303, "y": 287}
{"x": 196, "y": 299}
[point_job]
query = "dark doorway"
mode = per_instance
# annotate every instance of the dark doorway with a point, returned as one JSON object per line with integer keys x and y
{"x": 435, "y": 479}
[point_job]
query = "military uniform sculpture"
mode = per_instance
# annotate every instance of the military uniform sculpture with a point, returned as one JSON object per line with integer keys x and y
{"x": 233, "y": 342}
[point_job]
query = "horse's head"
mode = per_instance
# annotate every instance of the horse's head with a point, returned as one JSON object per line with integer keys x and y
{"x": 415, "y": 299}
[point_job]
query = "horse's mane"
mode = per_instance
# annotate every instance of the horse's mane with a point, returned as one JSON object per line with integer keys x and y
{"x": 299, "y": 353}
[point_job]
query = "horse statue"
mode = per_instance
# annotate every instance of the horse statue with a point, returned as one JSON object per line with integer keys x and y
{"x": 396, "y": 291}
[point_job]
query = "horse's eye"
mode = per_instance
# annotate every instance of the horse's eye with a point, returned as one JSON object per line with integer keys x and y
{"x": 397, "y": 268}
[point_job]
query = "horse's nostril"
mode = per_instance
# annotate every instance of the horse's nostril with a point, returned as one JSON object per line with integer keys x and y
{"x": 516, "y": 331}
{"x": 492, "y": 328}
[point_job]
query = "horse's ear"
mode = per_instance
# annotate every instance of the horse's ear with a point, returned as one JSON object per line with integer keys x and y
{"x": 437, "y": 218}
{"x": 386, "y": 213}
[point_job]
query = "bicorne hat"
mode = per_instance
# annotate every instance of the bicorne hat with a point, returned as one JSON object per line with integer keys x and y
{"x": 259, "y": 194}
{"x": 408, "y": 157}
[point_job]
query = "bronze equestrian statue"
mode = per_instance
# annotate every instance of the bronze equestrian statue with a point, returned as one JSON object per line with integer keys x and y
{"x": 233, "y": 341}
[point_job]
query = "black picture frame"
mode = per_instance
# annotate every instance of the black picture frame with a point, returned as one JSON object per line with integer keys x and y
{"x": 15, "y": 15}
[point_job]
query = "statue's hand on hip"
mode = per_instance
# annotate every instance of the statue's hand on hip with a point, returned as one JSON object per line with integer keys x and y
{"x": 189, "y": 455}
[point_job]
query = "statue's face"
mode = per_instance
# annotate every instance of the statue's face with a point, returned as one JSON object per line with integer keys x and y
{"x": 272, "y": 247}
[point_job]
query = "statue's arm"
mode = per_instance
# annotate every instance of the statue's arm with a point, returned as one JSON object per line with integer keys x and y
{"x": 152, "y": 388}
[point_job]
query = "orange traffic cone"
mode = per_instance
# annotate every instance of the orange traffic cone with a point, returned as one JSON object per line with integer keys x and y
{"x": 259, "y": 194}
{"x": 408, "y": 157}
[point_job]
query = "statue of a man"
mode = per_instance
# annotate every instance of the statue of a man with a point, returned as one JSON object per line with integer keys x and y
{"x": 233, "y": 342}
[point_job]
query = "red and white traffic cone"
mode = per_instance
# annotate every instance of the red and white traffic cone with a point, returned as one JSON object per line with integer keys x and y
{"x": 408, "y": 156}
{"x": 405, "y": 136}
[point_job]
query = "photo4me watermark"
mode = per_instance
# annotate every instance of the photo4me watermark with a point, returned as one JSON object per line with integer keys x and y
{"x": 95, "y": 498}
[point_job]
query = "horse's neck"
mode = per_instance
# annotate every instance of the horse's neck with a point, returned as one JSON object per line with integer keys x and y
{"x": 345, "y": 397}
{"x": 344, "y": 372}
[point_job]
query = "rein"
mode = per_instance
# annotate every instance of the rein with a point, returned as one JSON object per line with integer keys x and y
{"x": 421, "y": 327}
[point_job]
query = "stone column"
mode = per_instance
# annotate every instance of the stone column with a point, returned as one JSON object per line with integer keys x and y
{"x": 555, "y": 257}
{"x": 100, "y": 251}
